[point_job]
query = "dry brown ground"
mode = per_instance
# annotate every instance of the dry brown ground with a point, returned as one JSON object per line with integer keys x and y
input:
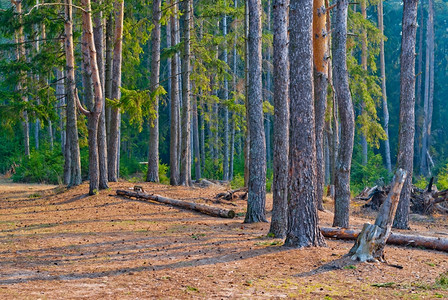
{"x": 57, "y": 244}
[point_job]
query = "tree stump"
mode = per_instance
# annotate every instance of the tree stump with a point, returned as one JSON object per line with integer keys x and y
{"x": 371, "y": 241}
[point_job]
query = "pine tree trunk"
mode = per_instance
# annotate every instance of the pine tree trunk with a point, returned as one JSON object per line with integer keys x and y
{"x": 364, "y": 67}
{"x": 153, "y": 154}
{"x": 344, "y": 100}
{"x": 257, "y": 155}
{"x": 268, "y": 89}
{"x": 383, "y": 88}
{"x": 281, "y": 120}
{"x": 407, "y": 104}
{"x": 197, "y": 154}
{"x": 418, "y": 102}
{"x": 174, "y": 105}
{"x": 73, "y": 155}
{"x": 246, "y": 90}
{"x": 303, "y": 229}
{"x": 321, "y": 56}
{"x": 108, "y": 65}
{"x": 225, "y": 165}
{"x": 114, "y": 138}
{"x": 102, "y": 139}
{"x": 185, "y": 171}
{"x": 234, "y": 80}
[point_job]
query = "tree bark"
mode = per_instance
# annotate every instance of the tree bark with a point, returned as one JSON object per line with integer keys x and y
{"x": 185, "y": 171}
{"x": 108, "y": 71}
{"x": 197, "y": 154}
{"x": 383, "y": 88}
{"x": 364, "y": 55}
{"x": 174, "y": 105}
{"x": 257, "y": 152}
{"x": 246, "y": 91}
{"x": 321, "y": 57}
{"x": 371, "y": 241}
{"x": 225, "y": 166}
{"x": 114, "y": 138}
{"x": 102, "y": 139}
{"x": 407, "y": 104}
{"x": 153, "y": 154}
{"x": 71, "y": 126}
{"x": 344, "y": 100}
{"x": 303, "y": 229}
{"x": 279, "y": 221}
{"x": 418, "y": 103}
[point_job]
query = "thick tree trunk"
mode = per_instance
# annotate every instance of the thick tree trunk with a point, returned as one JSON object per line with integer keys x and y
{"x": 344, "y": 100}
{"x": 257, "y": 152}
{"x": 371, "y": 241}
{"x": 429, "y": 90}
{"x": 114, "y": 138}
{"x": 185, "y": 171}
{"x": 102, "y": 139}
{"x": 383, "y": 88}
{"x": 279, "y": 221}
{"x": 153, "y": 154}
{"x": 174, "y": 105}
{"x": 71, "y": 127}
{"x": 321, "y": 57}
{"x": 407, "y": 104}
{"x": 303, "y": 229}
{"x": 206, "y": 209}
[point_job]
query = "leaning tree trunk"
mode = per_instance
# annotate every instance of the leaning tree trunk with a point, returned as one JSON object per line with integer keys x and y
{"x": 344, "y": 100}
{"x": 371, "y": 241}
{"x": 153, "y": 154}
{"x": 407, "y": 104}
{"x": 114, "y": 138}
{"x": 185, "y": 171}
{"x": 383, "y": 88}
{"x": 321, "y": 57}
{"x": 257, "y": 155}
{"x": 303, "y": 229}
{"x": 174, "y": 105}
{"x": 102, "y": 139}
{"x": 279, "y": 219}
{"x": 71, "y": 126}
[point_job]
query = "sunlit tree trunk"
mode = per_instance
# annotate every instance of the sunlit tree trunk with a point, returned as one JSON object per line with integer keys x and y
{"x": 281, "y": 119}
{"x": 153, "y": 157}
{"x": 344, "y": 100}
{"x": 257, "y": 151}
{"x": 174, "y": 106}
{"x": 407, "y": 104}
{"x": 303, "y": 229}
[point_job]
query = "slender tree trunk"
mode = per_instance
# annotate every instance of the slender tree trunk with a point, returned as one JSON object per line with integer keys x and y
{"x": 303, "y": 229}
{"x": 185, "y": 171}
{"x": 246, "y": 77}
{"x": 225, "y": 175}
{"x": 407, "y": 104}
{"x": 232, "y": 122}
{"x": 257, "y": 152}
{"x": 429, "y": 88}
{"x": 321, "y": 57}
{"x": 174, "y": 106}
{"x": 418, "y": 105}
{"x": 72, "y": 145}
{"x": 281, "y": 120}
{"x": 344, "y": 100}
{"x": 364, "y": 55}
{"x": 114, "y": 138}
{"x": 108, "y": 71}
{"x": 102, "y": 139}
{"x": 268, "y": 89}
{"x": 153, "y": 157}
{"x": 197, "y": 154}
{"x": 383, "y": 88}
{"x": 60, "y": 94}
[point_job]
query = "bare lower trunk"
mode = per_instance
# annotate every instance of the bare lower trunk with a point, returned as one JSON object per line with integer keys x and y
{"x": 174, "y": 106}
{"x": 303, "y": 229}
{"x": 279, "y": 220}
{"x": 114, "y": 138}
{"x": 407, "y": 104}
{"x": 197, "y": 154}
{"x": 418, "y": 101}
{"x": 153, "y": 154}
{"x": 246, "y": 90}
{"x": 185, "y": 171}
{"x": 257, "y": 151}
{"x": 344, "y": 100}
{"x": 225, "y": 165}
{"x": 364, "y": 55}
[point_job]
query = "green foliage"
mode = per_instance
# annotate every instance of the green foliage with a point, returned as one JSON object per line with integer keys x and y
{"x": 43, "y": 166}
{"x": 237, "y": 181}
{"x": 442, "y": 178}
{"x": 421, "y": 183}
{"x": 368, "y": 175}
{"x": 442, "y": 280}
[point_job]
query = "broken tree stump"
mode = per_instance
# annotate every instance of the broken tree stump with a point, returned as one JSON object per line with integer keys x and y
{"x": 206, "y": 209}
{"x": 231, "y": 195}
{"x": 427, "y": 242}
{"x": 371, "y": 241}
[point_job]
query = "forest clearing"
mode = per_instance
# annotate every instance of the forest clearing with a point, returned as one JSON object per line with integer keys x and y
{"x": 64, "y": 244}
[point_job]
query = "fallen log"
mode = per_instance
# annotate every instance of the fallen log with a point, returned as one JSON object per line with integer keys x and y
{"x": 206, "y": 209}
{"x": 231, "y": 195}
{"x": 433, "y": 243}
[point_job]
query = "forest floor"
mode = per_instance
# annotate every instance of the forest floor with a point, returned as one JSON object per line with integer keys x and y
{"x": 62, "y": 244}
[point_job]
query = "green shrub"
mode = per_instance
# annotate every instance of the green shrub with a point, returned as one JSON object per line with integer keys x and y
{"x": 164, "y": 170}
{"x": 237, "y": 181}
{"x": 368, "y": 175}
{"x": 442, "y": 179}
{"x": 43, "y": 166}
